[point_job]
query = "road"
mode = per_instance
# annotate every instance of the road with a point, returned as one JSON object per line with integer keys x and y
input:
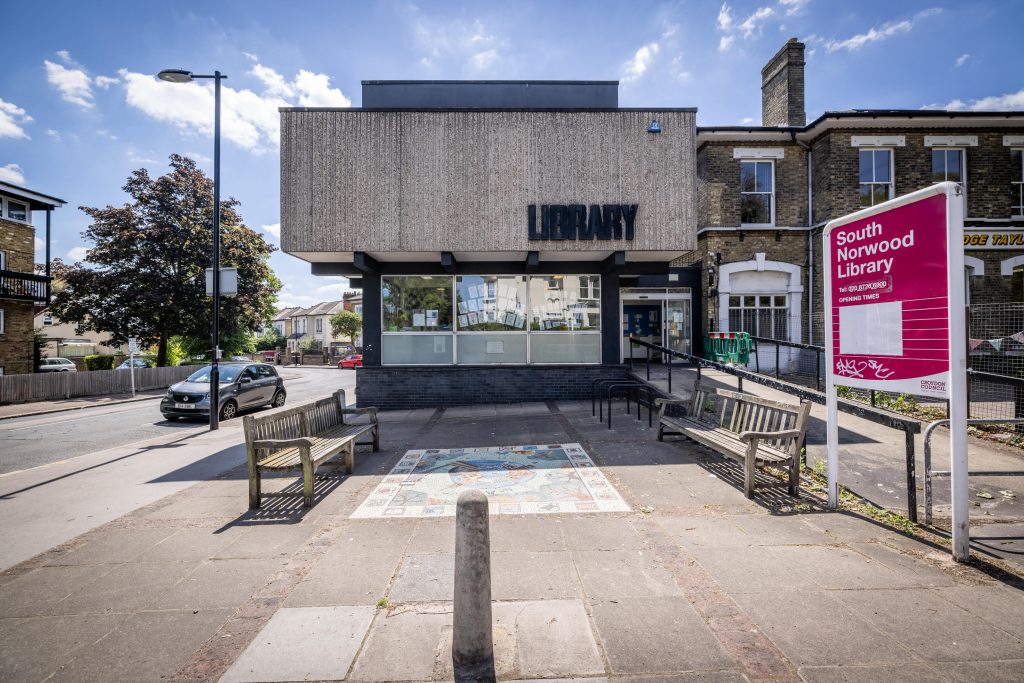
{"x": 45, "y": 439}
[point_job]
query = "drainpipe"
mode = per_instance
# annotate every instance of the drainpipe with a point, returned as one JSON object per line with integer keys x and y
{"x": 810, "y": 239}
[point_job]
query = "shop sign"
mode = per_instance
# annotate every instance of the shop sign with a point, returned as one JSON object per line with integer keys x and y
{"x": 580, "y": 222}
{"x": 993, "y": 238}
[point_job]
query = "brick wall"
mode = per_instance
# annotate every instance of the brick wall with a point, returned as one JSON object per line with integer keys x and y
{"x": 17, "y": 240}
{"x": 787, "y": 246}
{"x": 782, "y": 87}
{"x": 402, "y": 387}
{"x": 718, "y": 185}
{"x": 837, "y": 165}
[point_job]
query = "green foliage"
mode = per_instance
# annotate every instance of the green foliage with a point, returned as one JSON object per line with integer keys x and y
{"x": 242, "y": 342}
{"x": 144, "y": 276}
{"x": 99, "y": 362}
{"x": 309, "y": 344}
{"x": 271, "y": 340}
{"x": 176, "y": 350}
{"x": 347, "y": 325}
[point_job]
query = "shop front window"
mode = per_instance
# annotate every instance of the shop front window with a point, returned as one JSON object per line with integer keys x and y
{"x": 416, "y": 315}
{"x": 491, "y": 317}
{"x": 565, "y": 319}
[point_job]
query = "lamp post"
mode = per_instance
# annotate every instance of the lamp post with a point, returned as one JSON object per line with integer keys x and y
{"x": 182, "y": 76}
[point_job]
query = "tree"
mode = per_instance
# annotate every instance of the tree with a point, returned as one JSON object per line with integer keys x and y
{"x": 271, "y": 340}
{"x": 144, "y": 275}
{"x": 347, "y": 324}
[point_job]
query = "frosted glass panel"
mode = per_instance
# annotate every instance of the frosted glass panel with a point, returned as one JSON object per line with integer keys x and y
{"x": 491, "y": 348}
{"x": 565, "y": 348}
{"x": 416, "y": 349}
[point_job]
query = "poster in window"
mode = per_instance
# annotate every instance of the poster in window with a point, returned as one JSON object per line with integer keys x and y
{"x": 418, "y": 318}
{"x": 432, "y": 317}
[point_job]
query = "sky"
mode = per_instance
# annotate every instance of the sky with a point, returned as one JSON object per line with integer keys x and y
{"x": 80, "y": 105}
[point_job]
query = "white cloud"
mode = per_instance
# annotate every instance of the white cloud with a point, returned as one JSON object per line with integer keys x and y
{"x": 747, "y": 121}
{"x": 12, "y": 117}
{"x": 752, "y": 24}
{"x": 962, "y": 59}
{"x": 469, "y": 45}
{"x": 251, "y": 120}
{"x": 12, "y": 173}
{"x": 679, "y": 70}
{"x": 40, "y": 245}
{"x": 725, "y": 42}
{"x": 724, "y": 18}
{"x": 104, "y": 82}
{"x": 886, "y": 30}
{"x": 252, "y": 57}
{"x": 1009, "y": 102}
{"x": 482, "y": 61}
{"x": 274, "y": 229}
{"x": 634, "y": 68}
{"x": 793, "y": 6}
{"x": 198, "y": 158}
{"x": 53, "y": 134}
{"x": 78, "y": 253}
{"x": 73, "y": 84}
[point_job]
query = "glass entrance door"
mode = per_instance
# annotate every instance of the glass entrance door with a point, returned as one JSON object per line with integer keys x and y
{"x": 678, "y": 336}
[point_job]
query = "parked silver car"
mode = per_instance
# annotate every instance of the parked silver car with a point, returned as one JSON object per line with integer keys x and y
{"x": 242, "y": 386}
{"x": 56, "y": 365}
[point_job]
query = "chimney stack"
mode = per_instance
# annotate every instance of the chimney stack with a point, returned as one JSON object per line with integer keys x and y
{"x": 782, "y": 87}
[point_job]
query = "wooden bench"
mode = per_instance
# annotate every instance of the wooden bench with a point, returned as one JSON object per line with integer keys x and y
{"x": 752, "y": 430}
{"x": 305, "y": 436}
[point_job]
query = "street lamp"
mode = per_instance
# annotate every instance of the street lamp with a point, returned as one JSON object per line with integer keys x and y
{"x": 182, "y": 76}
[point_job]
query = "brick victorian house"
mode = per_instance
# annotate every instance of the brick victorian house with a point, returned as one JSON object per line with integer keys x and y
{"x": 765, "y": 192}
{"x": 21, "y": 289}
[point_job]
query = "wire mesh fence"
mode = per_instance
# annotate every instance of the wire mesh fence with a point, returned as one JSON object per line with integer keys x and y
{"x": 996, "y": 343}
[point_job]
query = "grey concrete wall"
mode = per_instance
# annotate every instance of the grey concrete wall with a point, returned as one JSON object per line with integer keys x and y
{"x": 355, "y": 180}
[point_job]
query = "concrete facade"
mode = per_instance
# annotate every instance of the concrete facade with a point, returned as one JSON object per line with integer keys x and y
{"x": 387, "y": 182}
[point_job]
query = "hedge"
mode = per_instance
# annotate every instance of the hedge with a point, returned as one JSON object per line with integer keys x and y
{"x": 99, "y": 362}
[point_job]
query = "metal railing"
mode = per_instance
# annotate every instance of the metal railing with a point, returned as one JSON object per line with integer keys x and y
{"x": 23, "y": 286}
{"x": 907, "y": 425}
{"x": 929, "y": 473}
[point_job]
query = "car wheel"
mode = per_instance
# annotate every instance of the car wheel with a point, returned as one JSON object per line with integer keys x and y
{"x": 228, "y": 410}
{"x": 278, "y": 399}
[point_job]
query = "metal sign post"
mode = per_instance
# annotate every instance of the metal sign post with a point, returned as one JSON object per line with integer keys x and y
{"x": 133, "y": 348}
{"x": 894, "y": 291}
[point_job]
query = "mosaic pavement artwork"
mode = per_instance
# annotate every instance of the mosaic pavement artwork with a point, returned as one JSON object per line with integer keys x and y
{"x": 533, "y": 479}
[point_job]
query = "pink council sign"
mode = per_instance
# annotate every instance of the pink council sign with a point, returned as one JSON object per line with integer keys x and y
{"x": 887, "y": 291}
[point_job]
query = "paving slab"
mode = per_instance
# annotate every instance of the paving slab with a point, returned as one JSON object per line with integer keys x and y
{"x": 192, "y": 545}
{"x": 128, "y": 653}
{"x": 905, "y": 673}
{"x": 1005, "y": 671}
{"x": 525, "y": 533}
{"x": 601, "y": 533}
{"x": 126, "y": 588}
{"x": 218, "y": 583}
{"x": 622, "y": 574}
{"x": 532, "y": 576}
{"x": 36, "y": 592}
{"x": 267, "y": 541}
{"x": 405, "y": 644}
{"x": 344, "y": 580}
{"x": 657, "y": 635}
{"x": 824, "y": 632}
{"x": 31, "y": 649}
{"x": 931, "y": 626}
{"x": 433, "y": 536}
{"x": 303, "y": 644}
{"x": 553, "y": 638}
{"x": 1000, "y": 607}
{"x": 115, "y": 546}
{"x": 425, "y": 578}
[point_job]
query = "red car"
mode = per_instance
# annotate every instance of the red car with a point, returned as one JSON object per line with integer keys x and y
{"x": 352, "y": 361}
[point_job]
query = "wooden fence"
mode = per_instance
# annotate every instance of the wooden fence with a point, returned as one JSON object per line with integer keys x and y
{"x": 49, "y": 386}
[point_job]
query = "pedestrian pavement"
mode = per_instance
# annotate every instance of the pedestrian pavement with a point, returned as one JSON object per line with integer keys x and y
{"x": 694, "y": 583}
{"x": 873, "y": 464}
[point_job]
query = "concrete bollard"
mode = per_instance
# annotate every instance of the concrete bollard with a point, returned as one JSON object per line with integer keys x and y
{"x": 472, "y": 638}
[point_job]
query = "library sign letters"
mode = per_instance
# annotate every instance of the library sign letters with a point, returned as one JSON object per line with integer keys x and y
{"x": 581, "y": 222}
{"x": 889, "y": 301}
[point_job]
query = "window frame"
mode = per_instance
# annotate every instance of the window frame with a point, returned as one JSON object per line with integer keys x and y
{"x": 771, "y": 202}
{"x": 963, "y": 169}
{"x": 1019, "y": 205}
{"x": 3, "y": 322}
{"x": 776, "y": 311}
{"x": 892, "y": 173}
{"x": 5, "y": 210}
{"x": 454, "y": 332}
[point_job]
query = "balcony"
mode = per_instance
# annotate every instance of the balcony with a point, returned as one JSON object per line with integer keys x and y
{"x": 23, "y": 286}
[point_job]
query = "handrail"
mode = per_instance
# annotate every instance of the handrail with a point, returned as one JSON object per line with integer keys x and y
{"x": 908, "y": 426}
{"x": 23, "y": 286}
{"x": 792, "y": 345}
{"x": 929, "y": 473}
